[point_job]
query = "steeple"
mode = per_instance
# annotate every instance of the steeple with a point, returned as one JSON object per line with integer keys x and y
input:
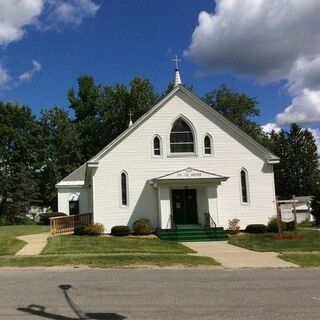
{"x": 177, "y": 79}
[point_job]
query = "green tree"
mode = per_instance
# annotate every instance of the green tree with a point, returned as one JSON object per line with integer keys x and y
{"x": 239, "y": 108}
{"x": 315, "y": 206}
{"x": 62, "y": 152}
{"x": 279, "y": 146}
{"x": 298, "y": 170}
{"x": 102, "y": 112}
{"x": 20, "y": 160}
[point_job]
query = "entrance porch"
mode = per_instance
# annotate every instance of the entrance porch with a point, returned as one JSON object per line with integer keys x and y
{"x": 188, "y": 203}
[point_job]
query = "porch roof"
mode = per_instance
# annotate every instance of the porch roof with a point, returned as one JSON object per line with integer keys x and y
{"x": 187, "y": 176}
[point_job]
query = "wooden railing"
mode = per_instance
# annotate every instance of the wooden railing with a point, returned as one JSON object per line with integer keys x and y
{"x": 66, "y": 224}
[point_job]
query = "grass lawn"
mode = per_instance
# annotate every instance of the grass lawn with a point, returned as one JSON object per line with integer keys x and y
{"x": 264, "y": 242}
{"x": 108, "y": 261}
{"x": 89, "y": 244}
{"x": 8, "y": 242}
{"x": 302, "y": 259}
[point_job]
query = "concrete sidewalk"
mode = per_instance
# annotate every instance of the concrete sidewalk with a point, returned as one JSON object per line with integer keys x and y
{"x": 35, "y": 244}
{"x": 235, "y": 257}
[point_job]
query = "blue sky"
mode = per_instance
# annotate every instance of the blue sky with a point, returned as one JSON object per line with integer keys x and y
{"x": 116, "y": 40}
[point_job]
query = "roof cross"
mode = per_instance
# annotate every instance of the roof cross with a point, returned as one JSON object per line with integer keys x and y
{"x": 176, "y": 60}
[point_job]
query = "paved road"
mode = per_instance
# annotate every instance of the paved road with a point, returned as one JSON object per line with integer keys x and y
{"x": 160, "y": 294}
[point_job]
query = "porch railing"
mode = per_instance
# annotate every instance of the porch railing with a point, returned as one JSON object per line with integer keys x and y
{"x": 210, "y": 224}
{"x": 67, "y": 224}
{"x": 172, "y": 227}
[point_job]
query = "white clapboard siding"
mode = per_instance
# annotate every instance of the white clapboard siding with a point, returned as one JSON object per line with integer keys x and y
{"x": 134, "y": 155}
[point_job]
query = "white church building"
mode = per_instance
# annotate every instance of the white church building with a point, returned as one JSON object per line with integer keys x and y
{"x": 179, "y": 162}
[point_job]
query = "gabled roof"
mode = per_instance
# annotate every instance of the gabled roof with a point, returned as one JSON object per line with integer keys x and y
{"x": 190, "y": 173}
{"x": 187, "y": 176}
{"x": 76, "y": 177}
{"x": 269, "y": 157}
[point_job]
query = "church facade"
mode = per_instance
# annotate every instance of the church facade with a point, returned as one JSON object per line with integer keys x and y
{"x": 175, "y": 165}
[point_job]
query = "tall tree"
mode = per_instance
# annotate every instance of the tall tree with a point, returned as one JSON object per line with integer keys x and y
{"x": 298, "y": 170}
{"x": 20, "y": 159}
{"x": 62, "y": 152}
{"x": 239, "y": 108}
{"x": 102, "y": 112}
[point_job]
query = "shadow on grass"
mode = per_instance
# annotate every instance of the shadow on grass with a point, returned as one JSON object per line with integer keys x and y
{"x": 80, "y": 315}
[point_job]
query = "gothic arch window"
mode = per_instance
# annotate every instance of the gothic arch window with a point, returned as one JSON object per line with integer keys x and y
{"x": 207, "y": 145}
{"x": 74, "y": 207}
{"x": 124, "y": 188}
{"x": 181, "y": 137}
{"x": 244, "y": 186}
{"x": 157, "y": 147}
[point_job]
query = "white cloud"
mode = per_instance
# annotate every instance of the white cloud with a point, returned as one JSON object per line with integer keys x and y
{"x": 304, "y": 74}
{"x": 15, "y": 16}
{"x": 305, "y": 108}
{"x": 72, "y": 12}
{"x": 4, "y": 77}
{"x": 26, "y": 76}
{"x": 269, "y": 127}
{"x": 256, "y": 38}
{"x": 268, "y": 41}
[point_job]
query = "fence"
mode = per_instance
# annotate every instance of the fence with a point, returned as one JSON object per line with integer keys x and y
{"x": 66, "y": 224}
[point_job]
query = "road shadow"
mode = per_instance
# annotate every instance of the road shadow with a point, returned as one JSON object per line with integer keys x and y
{"x": 40, "y": 311}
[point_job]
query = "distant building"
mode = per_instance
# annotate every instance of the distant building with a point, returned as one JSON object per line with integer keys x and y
{"x": 303, "y": 209}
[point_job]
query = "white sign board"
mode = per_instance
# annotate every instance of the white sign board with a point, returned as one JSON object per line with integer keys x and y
{"x": 286, "y": 212}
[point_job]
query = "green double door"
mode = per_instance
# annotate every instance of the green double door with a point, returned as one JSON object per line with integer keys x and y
{"x": 184, "y": 206}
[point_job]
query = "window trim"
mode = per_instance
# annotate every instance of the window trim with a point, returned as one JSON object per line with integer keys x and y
{"x": 160, "y": 146}
{"x": 211, "y": 145}
{"x": 127, "y": 189}
{"x": 194, "y": 134}
{"x": 247, "y": 187}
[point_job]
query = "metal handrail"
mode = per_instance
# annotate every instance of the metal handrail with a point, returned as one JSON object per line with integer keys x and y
{"x": 172, "y": 227}
{"x": 209, "y": 222}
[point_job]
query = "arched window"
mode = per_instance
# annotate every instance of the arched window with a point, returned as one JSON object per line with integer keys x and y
{"x": 124, "y": 189}
{"x": 74, "y": 204}
{"x": 207, "y": 145}
{"x": 244, "y": 186}
{"x": 181, "y": 137}
{"x": 156, "y": 146}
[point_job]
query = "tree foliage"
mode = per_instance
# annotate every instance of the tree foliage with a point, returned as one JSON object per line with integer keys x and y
{"x": 20, "y": 159}
{"x": 298, "y": 170}
{"x": 35, "y": 154}
{"x": 239, "y": 108}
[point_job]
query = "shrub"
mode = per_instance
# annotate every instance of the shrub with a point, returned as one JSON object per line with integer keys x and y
{"x": 80, "y": 230}
{"x": 256, "y": 228}
{"x": 120, "y": 231}
{"x": 45, "y": 218}
{"x": 4, "y": 221}
{"x": 142, "y": 227}
{"x": 289, "y": 226}
{"x": 26, "y": 221}
{"x": 273, "y": 225}
{"x": 92, "y": 229}
{"x": 233, "y": 226}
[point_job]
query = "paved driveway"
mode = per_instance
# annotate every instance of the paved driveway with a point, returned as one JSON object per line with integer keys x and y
{"x": 235, "y": 257}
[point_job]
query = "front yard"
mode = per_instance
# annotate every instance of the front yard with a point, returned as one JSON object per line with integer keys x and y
{"x": 304, "y": 252}
{"x": 89, "y": 244}
{"x": 265, "y": 242}
{"x": 104, "y": 252}
{"x": 8, "y": 242}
